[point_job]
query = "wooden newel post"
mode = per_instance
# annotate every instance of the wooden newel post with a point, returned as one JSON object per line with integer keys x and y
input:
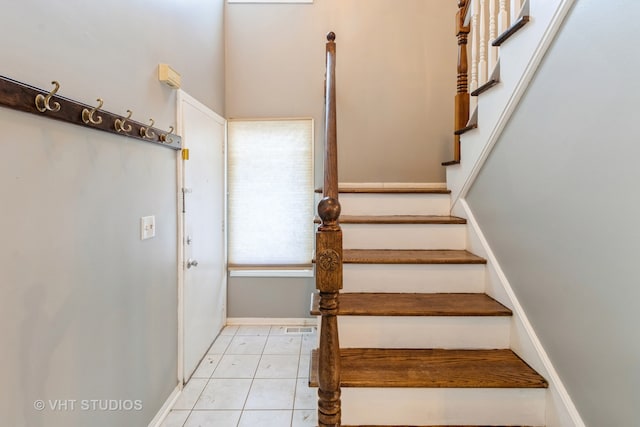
{"x": 329, "y": 260}
{"x": 462, "y": 93}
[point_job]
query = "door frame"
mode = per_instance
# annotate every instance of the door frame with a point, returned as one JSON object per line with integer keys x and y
{"x": 181, "y": 98}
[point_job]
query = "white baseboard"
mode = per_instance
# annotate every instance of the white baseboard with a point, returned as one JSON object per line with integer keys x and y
{"x": 278, "y": 321}
{"x": 164, "y": 410}
{"x": 561, "y": 412}
{"x": 393, "y": 184}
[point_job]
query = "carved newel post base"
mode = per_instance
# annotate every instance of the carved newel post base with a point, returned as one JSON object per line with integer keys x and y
{"x": 329, "y": 283}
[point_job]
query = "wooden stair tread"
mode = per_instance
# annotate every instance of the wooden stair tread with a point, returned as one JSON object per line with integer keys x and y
{"x": 405, "y": 304}
{"x": 522, "y": 20}
{"x": 407, "y": 256}
{"x": 472, "y": 123}
{"x": 400, "y": 219}
{"x": 432, "y": 368}
{"x": 493, "y": 80}
{"x": 392, "y": 190}
{"x": 448, "y": 425}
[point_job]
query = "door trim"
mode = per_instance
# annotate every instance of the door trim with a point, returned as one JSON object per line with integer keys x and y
{"x": 185, "y": 98}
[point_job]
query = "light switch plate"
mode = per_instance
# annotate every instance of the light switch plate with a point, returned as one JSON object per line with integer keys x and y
{"x": 147, "y": 227}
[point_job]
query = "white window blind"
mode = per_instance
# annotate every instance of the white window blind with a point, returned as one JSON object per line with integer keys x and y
{"x": 270, "y": 164}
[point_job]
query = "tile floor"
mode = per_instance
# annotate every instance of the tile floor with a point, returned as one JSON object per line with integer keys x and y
{"x": 252, "y": 376}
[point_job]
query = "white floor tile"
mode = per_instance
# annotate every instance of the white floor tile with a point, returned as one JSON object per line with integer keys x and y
{"x": 277, "y": 366}
{"x": 303, "y": 367}
{"x": 279, "y": 330}
{"x": 207, "y": 366}
{"x": 309, "y": 342}
{"x": 175, "y": 419}
{"x": 213, "y": 419}
{"x": 306, "y": 418}
{"x": 224, "y": 394}
{"x": 190, "y": 394}
{"x": 229, "y": 330}
{"x": 251, "y": 376}
{"x": 271, "y": 394}
{"x": 265, "y": 419}
{"x": 283, "y": 344}
{"x": 220, "y": 344}
{"x": 306, "y": 397}
{"x": 237, "y": 366}
{"x": 247, "y": 345}
{"x": 253, "y": 330}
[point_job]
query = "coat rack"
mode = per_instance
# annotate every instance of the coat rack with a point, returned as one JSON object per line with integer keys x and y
{"x": 22, "y": 97}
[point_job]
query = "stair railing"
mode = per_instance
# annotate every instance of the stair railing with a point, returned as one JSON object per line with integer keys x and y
{"x": 461, "y": 114}
{"x": 329, "y": 259}
{"x": 481, "y": 26}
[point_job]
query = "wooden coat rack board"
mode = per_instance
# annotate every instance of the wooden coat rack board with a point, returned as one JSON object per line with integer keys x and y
{"x": 22, "y": 97}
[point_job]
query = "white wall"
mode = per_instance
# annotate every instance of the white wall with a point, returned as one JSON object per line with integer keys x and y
{"x": 557, "y": 202}
{"x": 88, "y": 310}
{"x": 396, "y": 76}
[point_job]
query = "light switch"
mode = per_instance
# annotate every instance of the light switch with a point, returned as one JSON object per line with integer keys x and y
{"x": 147, "y": 227}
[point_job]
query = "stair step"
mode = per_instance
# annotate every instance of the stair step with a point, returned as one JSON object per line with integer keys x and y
{"x": 414, "y": 278}
{"x": 425, "y": 233}
{"x": 517, "y": 24}
{"x": 395, "y": 201}
{"x": 431, "y": 368}
{"x": 392, "y": 190}
{"x": 493, "y": 80}
{"x": 397, "y": 256}
{"x": 399, "y": 219}
{"x": 444, "y": 406}
{"x": 405, "y": 321}
{"x": 396, "y": 304}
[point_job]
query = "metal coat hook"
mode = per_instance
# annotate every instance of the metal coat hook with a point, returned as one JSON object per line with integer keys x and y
{"x": 43, "y": 102}
{"x": 87, "y": 115}
{"x": 144, "y": 132}
{"x": 120, "y": 123}
{"x": 165, "y": 136}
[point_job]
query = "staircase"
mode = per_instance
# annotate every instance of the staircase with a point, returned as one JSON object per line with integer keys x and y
{"x": 421, "y": 344}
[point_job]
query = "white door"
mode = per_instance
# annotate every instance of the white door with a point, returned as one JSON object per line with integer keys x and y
{"x": 203, "y": 270}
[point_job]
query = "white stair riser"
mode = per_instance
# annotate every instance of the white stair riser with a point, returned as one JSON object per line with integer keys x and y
{"x": 414, "y": 278}
{"x": 395, "y": 204}
{"x": 442, "y": 406}
{"x": 424, "y": 332}
{"x": 404, "y": 236}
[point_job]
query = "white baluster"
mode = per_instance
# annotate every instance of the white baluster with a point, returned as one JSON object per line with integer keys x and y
{"x": 516, "y": 5}
{"x": 503, "y": 17}
{"x": 482, "y": 44}
{"x": 493, "y": 33}
{"x": 475, "y": 28}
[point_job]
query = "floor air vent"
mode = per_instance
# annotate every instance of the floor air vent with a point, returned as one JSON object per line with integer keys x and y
{"x": 299, "y": 330}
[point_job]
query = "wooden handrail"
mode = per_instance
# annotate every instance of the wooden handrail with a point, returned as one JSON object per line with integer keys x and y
{"x": 462, "y": 93}
{"x": 329, "y": 259}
